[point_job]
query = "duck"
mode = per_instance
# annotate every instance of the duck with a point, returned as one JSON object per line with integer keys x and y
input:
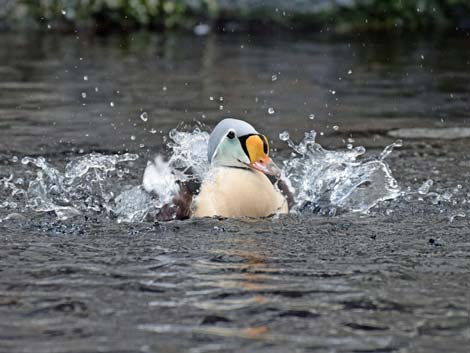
{"x": 242, "y": 182}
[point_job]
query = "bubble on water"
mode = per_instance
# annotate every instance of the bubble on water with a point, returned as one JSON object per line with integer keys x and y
{"x": 271, "y": 111}
{"x": 284, "y": 136}
{"x": 144, "y": 117}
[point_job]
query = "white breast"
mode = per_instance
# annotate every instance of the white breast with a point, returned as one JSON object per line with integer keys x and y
{"x": 234, "y": 192}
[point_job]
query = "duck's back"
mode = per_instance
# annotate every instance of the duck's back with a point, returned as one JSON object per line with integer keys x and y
{"x": 238, "y": 192}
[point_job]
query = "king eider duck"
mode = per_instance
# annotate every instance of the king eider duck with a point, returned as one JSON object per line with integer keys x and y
{"x": 242, "y": 181}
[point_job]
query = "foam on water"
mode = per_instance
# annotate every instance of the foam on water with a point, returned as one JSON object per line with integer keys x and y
{"x": 323, "y": 181}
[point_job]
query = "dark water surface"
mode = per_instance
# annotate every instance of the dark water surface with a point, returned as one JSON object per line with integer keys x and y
{"x": 394, "y": 280}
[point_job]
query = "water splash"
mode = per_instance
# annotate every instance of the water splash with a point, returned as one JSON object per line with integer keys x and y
{"x": 187, "y": 160}
{"x": 327, "y": 180}
{"x": 83, "y": 186}
{"x": 324, "y": 181}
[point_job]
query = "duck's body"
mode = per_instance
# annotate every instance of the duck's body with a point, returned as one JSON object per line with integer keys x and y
{"x": 238, "y": 192}
{"x": 237, "y": 184}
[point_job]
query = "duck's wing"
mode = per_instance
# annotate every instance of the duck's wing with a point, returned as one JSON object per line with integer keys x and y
{"x": 180, "y": 206}
{"x": 284, "y": 187}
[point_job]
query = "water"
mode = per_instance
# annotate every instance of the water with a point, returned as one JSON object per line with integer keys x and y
{"x": 374, "y": 256}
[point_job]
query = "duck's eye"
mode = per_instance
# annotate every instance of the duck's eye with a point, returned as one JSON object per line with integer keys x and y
{"x": 231, "y": 135}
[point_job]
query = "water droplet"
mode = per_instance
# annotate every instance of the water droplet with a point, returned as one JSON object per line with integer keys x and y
{"x": 111, "y": 104}
{"x": 311, "y": 116}
{"x": 141, "y": 145}
{"x": 144, "y": 117}
{"x": 83, "y": 94}
{"x": 424, "y": 189}
{"x": 85, "y": 78}
{"x": 211, "y": 98}
{"x": 422, "y": 57}
{"x": 349, "y": 72}
{"x": 273, "y": 78}
{"x": 221, "y": 107}
{"x": 201, "y": 29}
{"x": 96, "y": 89}
{"x": 349, "y": 146}
{"x": 153, "y": 131}
{"x": 64, "y": 12}
{"x": 332, "y": 91}
{"x": 284, "y": 136}
{"x": 335, "y": 127}
{"x": 133, "y": 137}
{"x": 271, "y": 111}
{"x": 164, "y": 88}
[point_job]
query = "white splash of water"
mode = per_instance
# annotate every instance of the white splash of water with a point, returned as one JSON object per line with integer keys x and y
{"x": 82, "y": 187}
{"x": 325, "y": 180}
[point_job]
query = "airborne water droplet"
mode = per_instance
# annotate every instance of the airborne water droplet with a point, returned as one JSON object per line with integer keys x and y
{"x": 284, "y": 136}
{"x": 144, "y": 117}
{"x": 424, "y": 189}
{"x": 111, "y": 104}
{"x": 273, "y": 78}
{"x": 271, "y": 111}
{"x": 83, "y": 94}
{"x": 311, "y": 116}
{"x": 133, "y": 137}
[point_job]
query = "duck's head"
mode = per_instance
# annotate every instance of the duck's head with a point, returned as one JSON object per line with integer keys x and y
{"x": 235, "y": 143}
